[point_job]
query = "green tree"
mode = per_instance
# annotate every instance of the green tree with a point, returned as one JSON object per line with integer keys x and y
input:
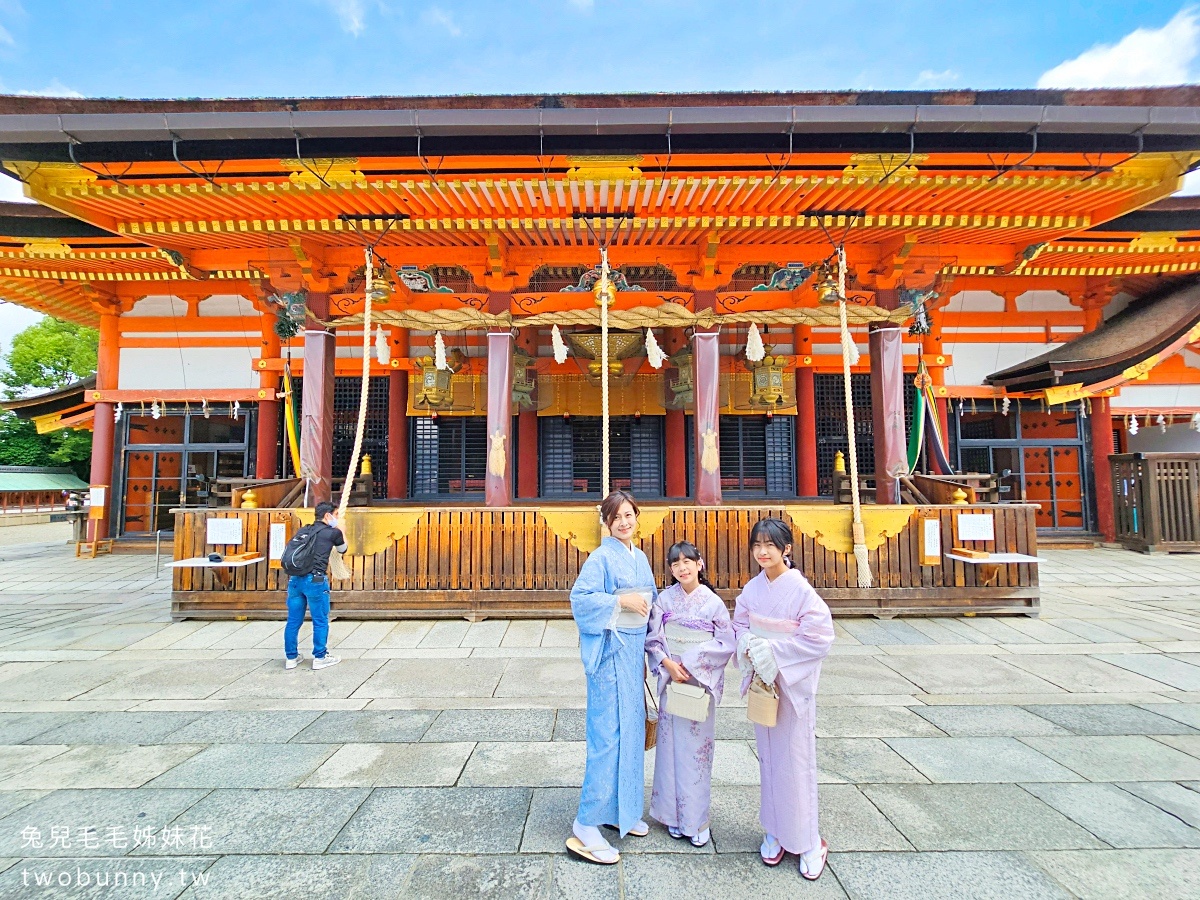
{"x": 47, "y": 355}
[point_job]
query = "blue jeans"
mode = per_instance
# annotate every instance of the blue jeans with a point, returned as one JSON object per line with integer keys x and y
{"x": 311, "y": 591}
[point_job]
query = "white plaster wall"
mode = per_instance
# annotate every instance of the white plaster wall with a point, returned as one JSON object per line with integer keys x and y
{"x": 1176, "y": 439}
{"x": 974, "y": 362}
{"x": 226, "y": 305}
{"x": 1116, "y": 305}
{"x": 975, "y": 301}
{"x": 1158, "y": 396}
{"x": 158, "y": 305}
{"x": 1044, "y": 301}
{"x": 180, "y": 368}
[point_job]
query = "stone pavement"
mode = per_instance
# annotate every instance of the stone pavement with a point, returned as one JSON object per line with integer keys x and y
{"x": 963, "y": 757}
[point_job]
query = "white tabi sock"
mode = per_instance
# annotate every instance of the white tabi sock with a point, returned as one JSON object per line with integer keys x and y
{"x": 590, "y": 837}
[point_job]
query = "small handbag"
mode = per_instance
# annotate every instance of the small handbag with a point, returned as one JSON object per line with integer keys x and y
{"x": 688, "y": 701}
{"x": 651, "y": 713}
{"x": 762, "y": 703}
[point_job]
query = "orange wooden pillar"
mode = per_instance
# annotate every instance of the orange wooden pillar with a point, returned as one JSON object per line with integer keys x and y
{"x": 675, "y": 432}
{"x": 108, "y": 359}
{"x": 1100, "y": 426}
{"x": 527, "y": 431}
{"x": 806, "y": 413}
{"x": 397, "y": 446}
{"x": 316, "y": 424}
{"x": 266, "y": 458}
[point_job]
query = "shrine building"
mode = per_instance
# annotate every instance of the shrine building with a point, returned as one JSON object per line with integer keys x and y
{"x": 1017, "y": 281}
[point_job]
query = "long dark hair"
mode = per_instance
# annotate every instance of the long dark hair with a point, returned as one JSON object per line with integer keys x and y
{"x": 773, "y": 531}
{"x": 686, "y": 550}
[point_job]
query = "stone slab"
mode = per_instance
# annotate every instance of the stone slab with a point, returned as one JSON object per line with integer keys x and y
{"x": 19, "y": 728}
{"x": 983, "y": 759}
{"x": 437, "y": 820}
{"x": 526, "y": 764}
{"x": 1128, "y": 874}
{"x": 392, "y": 765}
{"x": 420, "y": 678}
{"x": 1109, "y": 719}
{"x": 957, "y": 674}
{"x": 726, "y": 876}
{"x": 987, "y": 721}
{"x": 488, "y": 878}
{"x": 1176, "y": 799}
{"x": 1118, "y": 758}
{"x": 871, "y": 722}
{"x": 492, "y": 725}
{"x": 272, "y": 680}
{"x": 100, "y": 810}
{"x": 1168, "y": 670}
{"x": 554, "y": 678}
{"x": 276, "y": 726}
{"x": 976, "y": 817}
{"x": 361, "y": 877}
{"x": 367, "y": 726}
{"x": 139, "y": 873}
{"x": 103, "y": 766}
{"x": 16, "y": 759}
{"x": 1117, "y": 816}
{"x": 118, "y": 728}
{"x": 943, "y": 876}
{"x": 247, "y": 766}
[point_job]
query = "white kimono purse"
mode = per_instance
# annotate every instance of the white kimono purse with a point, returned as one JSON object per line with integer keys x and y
{"x": 688, "y": 701}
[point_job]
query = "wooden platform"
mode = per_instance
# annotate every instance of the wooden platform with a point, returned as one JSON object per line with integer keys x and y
{"x": 476, "y": 562}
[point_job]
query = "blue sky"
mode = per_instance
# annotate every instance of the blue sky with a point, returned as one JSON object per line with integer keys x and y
{"x": 321, "y": 47}
{"x": 222, "y": 48}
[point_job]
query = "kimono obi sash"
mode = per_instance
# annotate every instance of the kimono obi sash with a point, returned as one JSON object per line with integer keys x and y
{"x": 772, "y": 629}
{"x": 681, "y": 636}
{"x": 631, "y": 620}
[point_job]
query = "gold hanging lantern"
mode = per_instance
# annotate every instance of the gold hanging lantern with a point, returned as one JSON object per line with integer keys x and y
{"x": 524, "y": 380}
{"x": 767, "y": 390}
{"x": 621, "y": 346}
{"x": 826, "y": 285}
{"x": 680, "y": 384}
{"x": 437, "y": 385}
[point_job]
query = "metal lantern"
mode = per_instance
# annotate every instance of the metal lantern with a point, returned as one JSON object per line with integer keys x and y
{"x": 827, "y": 285}
{"x": 524, "y": 380}
{"x": 767, "y": 389}
{"x": 621, "y": 346}
{"x": 437, "y": 385}
{"x": 680, "y": 381}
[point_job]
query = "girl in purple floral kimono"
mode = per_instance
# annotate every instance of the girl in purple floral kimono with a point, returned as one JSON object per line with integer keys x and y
{"x": 689, "y": 640}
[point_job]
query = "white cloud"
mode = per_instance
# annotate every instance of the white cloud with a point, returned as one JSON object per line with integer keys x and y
{"x": 10, "y": 9}
{"x": 929, "y": 79}
{"x": 54, "y": 89}
{"x": 351, "y": 14}
{"x": 1144, "y": 57}
{"x": 437, "y": 16}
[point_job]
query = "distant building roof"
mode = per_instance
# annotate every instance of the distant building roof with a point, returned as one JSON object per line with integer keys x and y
{"x": 39, "y": 478}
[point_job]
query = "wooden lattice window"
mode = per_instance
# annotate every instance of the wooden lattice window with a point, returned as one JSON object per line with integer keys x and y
{"x": 448, "y": 456}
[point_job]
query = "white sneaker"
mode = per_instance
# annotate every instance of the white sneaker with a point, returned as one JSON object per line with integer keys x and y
{"x": 326, "y": 661}
{"x": 292, "y": 663}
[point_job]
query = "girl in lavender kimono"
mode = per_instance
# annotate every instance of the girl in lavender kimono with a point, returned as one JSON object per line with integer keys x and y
{"x": 783, "y": 632}
{"x": 689, "y": 641}
{"x": 611, "y": 605}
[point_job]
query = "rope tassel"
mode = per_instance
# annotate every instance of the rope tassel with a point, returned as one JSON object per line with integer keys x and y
{"x": 862, "y": 560}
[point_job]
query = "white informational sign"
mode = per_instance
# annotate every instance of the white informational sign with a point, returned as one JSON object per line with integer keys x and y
{"x": 976, "y": 527}
{"x": 224, "y": 531}
{"x": 97, "y": 495}
{"x": 933, "y": 538}
{"x": 278, "y": 540}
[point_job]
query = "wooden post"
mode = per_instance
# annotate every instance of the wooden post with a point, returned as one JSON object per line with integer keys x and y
{"x": 675, "y": 432}
{"x": 1100, "y": 422}
{"x": 108, "y": 360}
{"x": 527, "y": 431}
{"x": 316, "y": 424}
{"x": 397, "y": 447}
{"x": 806, "y": 413}
{"x": 267, "y": 445}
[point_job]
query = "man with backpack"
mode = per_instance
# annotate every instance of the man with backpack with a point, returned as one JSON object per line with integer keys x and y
{"x": 306, "y": 561}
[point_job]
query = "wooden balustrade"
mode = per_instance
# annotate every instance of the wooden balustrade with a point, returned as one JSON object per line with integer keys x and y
{"x": 476, "y": 562}
{"x": 1156, "y": 500}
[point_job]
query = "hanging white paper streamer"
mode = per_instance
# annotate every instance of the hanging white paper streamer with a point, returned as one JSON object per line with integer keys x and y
{"x": 1161, "y": 422}
{"x": 120, "y": 408}
{"x": 1133, "y": 425}
{"x": 236, "y": 411}
{"x": 1195, "y": 426}
{"x": 1005, "y": 406}
{"x": 755, "y": 350}
{"x": 155, "y": 412}
{"x": 560, "y": 346}
{"x": 383, "y": 352}
{"x": 654, "y": 353}
{"x": 439, "y": 352}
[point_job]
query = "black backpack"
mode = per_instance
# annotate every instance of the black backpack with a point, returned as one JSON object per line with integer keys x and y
{"x": 300, "y": 554}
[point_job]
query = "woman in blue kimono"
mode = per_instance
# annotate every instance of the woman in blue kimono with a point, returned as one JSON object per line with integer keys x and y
{"x": 611, "y": 605}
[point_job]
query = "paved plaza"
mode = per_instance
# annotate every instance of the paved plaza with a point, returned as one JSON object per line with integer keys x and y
{"x": 966, "y": 757}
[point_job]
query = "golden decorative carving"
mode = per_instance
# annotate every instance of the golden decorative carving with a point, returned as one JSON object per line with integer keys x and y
{"x": 604, "y": 168}
{"x": 46, "y": 247}
{"x": 581, "y": 527}
{"x": 1153, "y": 241}
{"x": 52, "y": 176}
{"x": 831, "y": 526}
{"x": 320, "y": 173}
{"x": 876, "y": 165}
